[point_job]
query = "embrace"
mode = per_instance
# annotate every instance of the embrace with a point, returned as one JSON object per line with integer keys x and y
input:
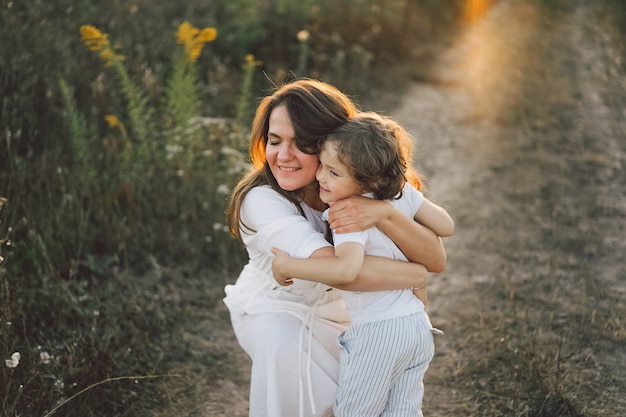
{"x": 333, "y": 329}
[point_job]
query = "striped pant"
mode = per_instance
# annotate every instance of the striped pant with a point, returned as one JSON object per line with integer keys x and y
{"x": 382, "y": 367}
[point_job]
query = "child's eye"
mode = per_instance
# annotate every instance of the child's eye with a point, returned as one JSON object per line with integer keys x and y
{"x": 333, "y": 173}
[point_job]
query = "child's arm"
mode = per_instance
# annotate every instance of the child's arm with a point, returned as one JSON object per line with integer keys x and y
{"x": 436, "y": 218}
{"x": 342, "y": 268}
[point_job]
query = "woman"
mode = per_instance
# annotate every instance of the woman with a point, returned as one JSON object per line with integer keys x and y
{"x": 291, "y": 332}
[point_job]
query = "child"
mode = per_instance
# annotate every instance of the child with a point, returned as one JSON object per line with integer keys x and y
{"x": 386, "y": 351}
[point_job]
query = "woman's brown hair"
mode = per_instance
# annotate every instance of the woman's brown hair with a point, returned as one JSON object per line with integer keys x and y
{"x": 315, "y": 109}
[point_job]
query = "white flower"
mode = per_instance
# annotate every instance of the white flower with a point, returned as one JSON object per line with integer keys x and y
{"x": 172, "y": 150}
{"x": 303, "y": 35}
{"x": 14, "y": 361}
{"x": 45, "y": 357}
{"x": 227, "y": 150}
{"x": 223, "y": 189}
{"x": 59, "y": 384}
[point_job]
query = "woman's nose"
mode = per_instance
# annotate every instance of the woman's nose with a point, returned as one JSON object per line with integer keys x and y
{"x": 285, "y": 151}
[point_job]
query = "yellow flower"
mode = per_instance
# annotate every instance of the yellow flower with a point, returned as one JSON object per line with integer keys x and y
{"x": 194, "y": 52}
{"x": 250, "y": 61}
{"x": 207, "y": 35}
{"x": 194, "y": 39}
{"x": 114, "y": 122}
{"x": 93, "y": 38}
{"x": 99, "y": 42}
{"x": 109, "y": 57}
{"x": 185, "y": 33}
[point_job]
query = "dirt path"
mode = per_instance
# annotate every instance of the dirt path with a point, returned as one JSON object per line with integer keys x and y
{"x": 521, "y": 134}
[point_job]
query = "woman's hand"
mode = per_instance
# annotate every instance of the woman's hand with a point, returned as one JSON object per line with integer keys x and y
{"x": 385, "y": 274}
{"x": 418, "y": 243}
{"x": 279, "y": 259}
{"x": 356, "y": 214}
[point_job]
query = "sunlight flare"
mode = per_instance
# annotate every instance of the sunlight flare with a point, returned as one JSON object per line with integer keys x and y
{"x": 475, "y": 9}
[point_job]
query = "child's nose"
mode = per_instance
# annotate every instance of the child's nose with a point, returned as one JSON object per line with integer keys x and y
{"x": 318, "y": 173}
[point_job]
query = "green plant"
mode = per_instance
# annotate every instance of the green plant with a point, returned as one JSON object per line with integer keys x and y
{"x": 182, "y": 96}
{"x": 139, "y": 112}
{"x": 244, "y": 108}
{"x": 188, "y": 149}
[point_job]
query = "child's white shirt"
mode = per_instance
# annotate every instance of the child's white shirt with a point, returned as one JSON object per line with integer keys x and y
{"x": 367, "y": 307}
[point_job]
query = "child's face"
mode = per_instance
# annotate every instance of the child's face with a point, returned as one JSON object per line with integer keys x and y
{"x": 336, "y": 182}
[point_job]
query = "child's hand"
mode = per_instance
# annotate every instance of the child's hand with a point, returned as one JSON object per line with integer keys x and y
{"x": 279, "y": 260}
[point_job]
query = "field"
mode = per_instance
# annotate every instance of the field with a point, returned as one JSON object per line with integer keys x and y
{"x": 519, "y": 119}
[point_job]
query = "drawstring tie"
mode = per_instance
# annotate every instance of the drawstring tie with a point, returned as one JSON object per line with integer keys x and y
{"x": 308, "y": 321}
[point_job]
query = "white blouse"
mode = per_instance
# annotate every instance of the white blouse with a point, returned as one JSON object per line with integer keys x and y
{"x": 277, "y": 222}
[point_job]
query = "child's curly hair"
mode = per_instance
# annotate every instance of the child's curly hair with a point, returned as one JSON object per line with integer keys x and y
{"x": 378, "y": 152}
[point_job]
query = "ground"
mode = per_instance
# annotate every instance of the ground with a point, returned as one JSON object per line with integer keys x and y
{"x": 520, "y": 128}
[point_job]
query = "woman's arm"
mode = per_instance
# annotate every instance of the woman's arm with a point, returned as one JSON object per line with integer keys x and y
{"x": 418, "y": 243}
{"x": 381, "y": 274}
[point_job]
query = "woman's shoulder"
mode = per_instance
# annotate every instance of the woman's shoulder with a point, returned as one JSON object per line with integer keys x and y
{"x": 271, "y": 219}
{"x": 264, "y": 195}
{"x": 263, "y": 190}
{"x": 263, "y": 204}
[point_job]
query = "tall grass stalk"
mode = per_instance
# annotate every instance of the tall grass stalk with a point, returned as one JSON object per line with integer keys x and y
{"x": 244, "y": 108}
{"x": 182, "y": 98}
{"x": 104, "y": 381}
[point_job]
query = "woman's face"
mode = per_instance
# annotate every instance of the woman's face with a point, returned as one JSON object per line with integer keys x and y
{"x": 292, "y": 168}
